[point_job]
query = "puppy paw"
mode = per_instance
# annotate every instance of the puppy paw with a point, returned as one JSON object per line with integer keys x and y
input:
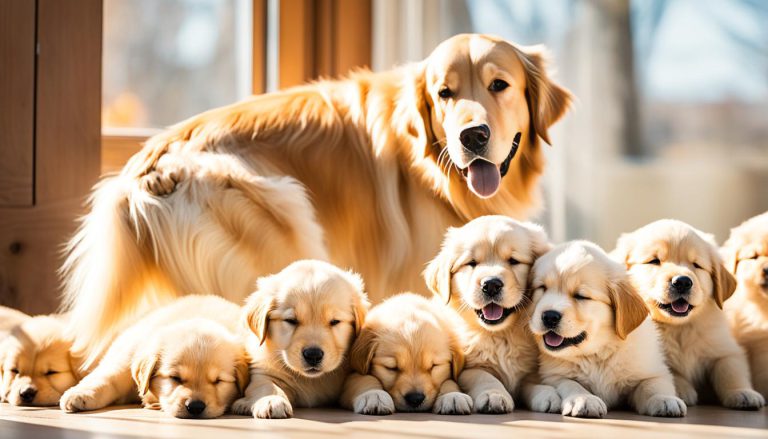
{"x": 686, "y": 391}
{"x": 453, "y": 403}
{"x": 494, "y": 402}
{"x": 374, "y": 402}
{"x": 79, "y": 400}
{"x": 272, "y": 407}
{"x": 662, "y": 405}
{"x": 546, "y": 400}
{"x": 242, "y": 406}
{"x": 746, "y": 399}
{"x": 162, "y": 182}
{"x": 584, "y": 406}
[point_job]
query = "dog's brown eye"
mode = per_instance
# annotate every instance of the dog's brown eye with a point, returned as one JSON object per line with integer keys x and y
{"x": 654, "y": 261}
{"x": 335, "y": 322}
{"x": 498, "y": 85}
{"x": 445, "y": 93}
{"x": 177, "y": 379}
{"x": 293, "y": 322}
{"x": 472, "y": 263}
{"x": 513, "y": 261}
{"x": 695, "y": 265}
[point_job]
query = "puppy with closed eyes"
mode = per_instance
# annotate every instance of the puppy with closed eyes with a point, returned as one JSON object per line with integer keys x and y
{"x": 186, "y": 359}
{"x": 746, "y": 257}
{"x": 680, "y": 275}
{"x": 36, "y": 361}
{"x": 407, "y": 358}
{"x": 481, "y": 272}
{"x": 303, "y": 321}
{"x": 598, "y": 346}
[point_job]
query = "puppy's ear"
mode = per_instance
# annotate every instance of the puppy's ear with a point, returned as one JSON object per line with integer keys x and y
{"x": 621, "y": 253}
{"x": 363, "y": 349}
{"x": 144, "y": 368}
{"x": 258, "y": 306}
{"x": 539, "y": 240}
{"x": 360, "y": 303}
{"x": 629, "y": 308}
{"x": 724, "y": 284}
{"x": 242, "y": 372}
{"x": 547, "y": 101}
{"x": 730, "y": 257}
{"x": 438, "y": 272}
{"x": 457, "y": 358}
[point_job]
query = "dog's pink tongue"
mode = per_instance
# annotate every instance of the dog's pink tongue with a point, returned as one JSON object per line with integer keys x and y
{"x": 680, "y": 306}
{"x": 483, "y": 178}
{"x": 552, "y": 339}
{"x": 492, "y": 312}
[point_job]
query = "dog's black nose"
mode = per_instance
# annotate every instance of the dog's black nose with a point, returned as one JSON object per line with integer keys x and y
{"x": 475, "y": 138}
{"x": 681, "y": 284}
{"x": 313, "y": 356}
{"x": 551, "y": 318}
{"x": 28, "y": 394}
{"x": 195, "y": 407}
{"x": 492, "y": 286}
{"x": 414, "y": 399}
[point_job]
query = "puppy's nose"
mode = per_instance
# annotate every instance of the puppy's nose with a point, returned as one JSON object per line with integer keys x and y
{"x": 492, "y": 286}
{"x": 195, "y": 407}
{"x": 551, "y": 319}
{"x": 28, "y": 394}
{"x": 415, "y": 398}
{"x": 681, "y": 284}
{"x": 475, "y": 138}
{"x": 313, "y": 355}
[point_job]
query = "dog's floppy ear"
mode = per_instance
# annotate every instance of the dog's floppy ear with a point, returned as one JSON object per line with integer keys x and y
{"x": 258, "y": 306}
{"x": 363, "y": 349}
{"x": 547, "y": 101}
{"x": 724, "y": 284}
{"x": 438, "y": 272}
{"x": 457, "y": 358}
{"x": 729, "y": 253}
{"x": 539, "y": 240}
{"x": 621, "y": 253}
{"x": 360, "y": 303}
{"x": 144, "y": 368}
{"x": 242, "y": 372}
{"x": 629, "y": 309}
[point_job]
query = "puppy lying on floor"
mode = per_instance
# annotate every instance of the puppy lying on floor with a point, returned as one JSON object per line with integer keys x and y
{"x": 184, "y": 358}
{"x": 598, "y": 348}
{"x": 303, "y": 321}
{"x": 746, "y": 256}
{"x": 36, "y": 361}
{"x": 681, "y": 277}
{"x": 482, "y": 273}
{"x": 406, "y": 358}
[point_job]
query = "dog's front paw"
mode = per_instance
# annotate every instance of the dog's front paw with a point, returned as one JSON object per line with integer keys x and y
{"x": 242, "y": 406}
{"x": 686, "y": 391}
{"x": 662, "y": 405}
{"x": 546, "y": 400}
{"x": 494, "y": 402}
{"x": 374, "y": 402}
{"x": 453, "y": 403}
{"x": 746, "y": 399}
{"x": 162, "y": 182}
{"x": 78, "y": 400}
{"x": 272, "y": 407}
{"x": 584, "y": 406}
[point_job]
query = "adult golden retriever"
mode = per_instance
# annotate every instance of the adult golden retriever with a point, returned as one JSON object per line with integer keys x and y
{"x": 366, "y": 172}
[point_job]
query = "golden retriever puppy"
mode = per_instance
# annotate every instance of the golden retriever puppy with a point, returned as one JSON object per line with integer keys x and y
{"x": 407, "y": 358}
{"x": 598, "y": 346}
{"x": 389, "y": 159}
{"x": 482, "y": 272}
{"x": 36, "y": 361}
{"x": 185, "y": 358}
{"x": 746, "y": 256}
{"x": 303, "y": 321}
{"x": 680, "y": 275}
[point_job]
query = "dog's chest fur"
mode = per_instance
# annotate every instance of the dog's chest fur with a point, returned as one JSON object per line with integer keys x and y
{"x": 509, "y": 355}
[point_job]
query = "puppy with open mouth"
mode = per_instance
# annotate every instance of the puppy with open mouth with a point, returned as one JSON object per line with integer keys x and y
{"x": 598, "y": 348}
{"x": 481, "y": 272}
{"x": 681, "y": 276}
{"x": 303, "y": 321}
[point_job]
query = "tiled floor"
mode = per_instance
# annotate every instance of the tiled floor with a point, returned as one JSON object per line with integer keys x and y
{"x": 129, "y": 423}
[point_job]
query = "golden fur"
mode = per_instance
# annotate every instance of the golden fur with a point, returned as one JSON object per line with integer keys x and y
{"x": 501, "y": 355}
{"x": 697, "y": 341}
{"x": 746, "y": 257}
{"x": 602, "y": 350}
{"x": 308, "y": 305}
{"x": 9, "y": 318}
{"x": 36, "y": 360}
{"x": 185, "y": 358}
{"x": 216, "y": 201}
{"x": 407, "y": 358}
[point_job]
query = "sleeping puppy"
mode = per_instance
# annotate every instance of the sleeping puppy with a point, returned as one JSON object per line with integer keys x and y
{"x": 481, "y": 272}
{"x": 407, "y": 358}
{"x": 598, "y": 348}
{"x": 303, "y": 321}
{"x": 185, "y": 358}
{"x": 680, "y": 275}
{"x": 36, "y": 361}
{"x": 746, "y": 256}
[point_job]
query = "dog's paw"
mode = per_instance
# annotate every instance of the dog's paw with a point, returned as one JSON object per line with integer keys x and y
{"x": 746, "y": 399}
{"x": 494, "y": 402}
{"x": 79, "y": 400}
{"x": 162, "y": 182}
{"x": 584, "y": 406}
{"x": 242, "y": 406}
{"x": 374, "y": 402}
{"x": 546, "y": 400}
{"x": 662, "y": 405}
{"x": 686, "y": 392}
{"x": 453, "y": 403}
{"x": 272, "y": 407}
